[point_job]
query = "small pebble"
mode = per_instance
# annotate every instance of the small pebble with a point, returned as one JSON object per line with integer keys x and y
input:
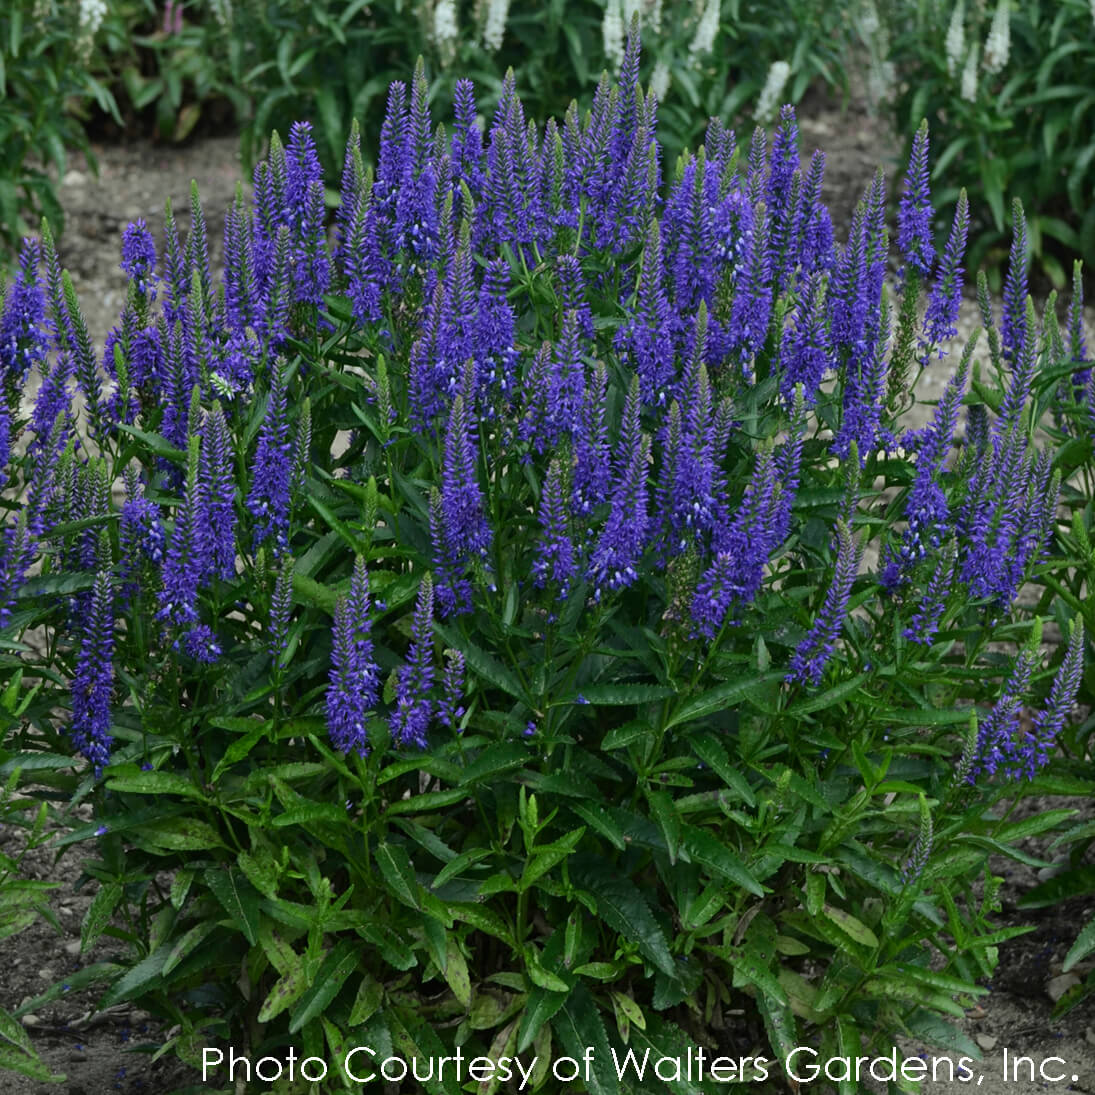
{"x": 986, "y": 1041}
{"x": 72, "y": 947}
{"x": 1058, "y": 986}
{"x": 31, "y": 1020}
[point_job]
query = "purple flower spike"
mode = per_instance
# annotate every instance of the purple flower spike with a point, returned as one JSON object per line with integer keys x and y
{"x": 914, "y": 218}
{"x": 450, "y": 708}
{"x": 281, "y": 608}
{"x": 1013, "y": 326}
{"x": 1033, "y": 752}
{"x": 813, "y": 653}
{"x": 92, "y": 684}
{"x": 554, "y": 560}
{"x": 23, "y": 330}
{"x": 996, "y": 734}
{"x": 623, "y": 538}
{"x": 941, "y": 315}
{"x": 354, "y": 677}
{"x": 217, "y": 463}
{"x": 804, "y": 353}
{"x": 268, "y": 499}
{"x": 201, "y": 644}
{"x": 925, "y": 621}
{"x": 742, "y": 547}
{"x": 186, "y": 562}
{"x": 414, "y": 708}
{"x": 461, "y": 534}
{"x": 140, "y": 533}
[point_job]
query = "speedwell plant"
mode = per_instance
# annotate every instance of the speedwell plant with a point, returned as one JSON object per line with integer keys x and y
{"x": 525, "y": 623}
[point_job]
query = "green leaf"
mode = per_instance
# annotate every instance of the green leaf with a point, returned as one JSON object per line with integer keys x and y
{"x": 548, "y": 856}
{"x": 667, "y": 817}
{"x": 779, "y": 1020}
{"x": 456, "y": 972}
{"x": 1032, "y": 826}
{"x": 941, "y": 981}
{"x": 624, "y": 910}
{"x": 128, "y": 777}
{"x": 721, "y": 698}
{"x": 395, "y": 867}
{"x": 542, "y": 1005}
{"x": 625, "y": 695}
{"x": 710, "y": 750}
{"x": 502, "y": 756}
{"x": 329, "y": 978}
{"x": 1084, "y": 945}
{"x": 308, "y": 591}
{"x": 488, "y": 667}
{"x": 930, "y": 1028}
{"x": 286, "y": 991}
{"x": 240, "y": 901}
{"x": 924, "y": 716}
{"x": 709, "y": 852}
{"x": 11, "y": 1030}
{"x": 543, "y": 978}
{"x": 370, "y": 994}
{"x": 579, "y": 1028}
{"x": 309, "y": 813}
{"x": 180, "y": 834}
{"x": 189, "y": 941}
{"x": 850, "y": 926}
{"x": 99, "y": 913}
{"x": 261, "y": 870}
{"x": 829, "y": 698}
{"x": 622, "y": 736}
{"x": 1071, "y": 883}
{"x": 426, "y": 803}
{"x": 992, "y": 845}
{"x": 138, "y": 980}
{"x": 460, "y": 863}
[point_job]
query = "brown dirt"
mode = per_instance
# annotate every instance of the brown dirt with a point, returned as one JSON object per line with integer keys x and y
{"x": 101, "y": 1055}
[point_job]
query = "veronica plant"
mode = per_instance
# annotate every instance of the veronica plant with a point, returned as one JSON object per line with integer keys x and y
{"x": 496, "y": 660}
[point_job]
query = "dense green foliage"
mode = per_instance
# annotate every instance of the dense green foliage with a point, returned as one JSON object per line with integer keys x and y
{"x": 44, "y": 73}
{"x": 1012, "y": 109}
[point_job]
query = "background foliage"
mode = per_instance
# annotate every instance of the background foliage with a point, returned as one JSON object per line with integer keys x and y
{"x": 1013, "y": 116}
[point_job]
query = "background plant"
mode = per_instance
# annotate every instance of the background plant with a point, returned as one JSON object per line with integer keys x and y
{"x": 1013, "y": 112}
{"x": 45, "y": 72}
{"x": 505, "y": 561}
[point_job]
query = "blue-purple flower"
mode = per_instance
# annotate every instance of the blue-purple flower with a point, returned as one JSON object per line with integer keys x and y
{"x": 269, "y": 496}
{"x": 93, "y": 681}
{"x": 355, "y": 678}
{"x": 813, "y": 653}
{"x": 914, "y": 217}
{"x": 410, "y": 722}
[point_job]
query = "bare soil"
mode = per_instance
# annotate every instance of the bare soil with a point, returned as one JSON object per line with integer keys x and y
{"x": 100, "y": 1054}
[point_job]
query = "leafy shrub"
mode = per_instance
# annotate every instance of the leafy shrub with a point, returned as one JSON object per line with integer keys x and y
{"x": 333, "y": 62}
{"x": 481, "y": 654}
{"x": 44, "y": 72}
{"x": 1011, "y": 104}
